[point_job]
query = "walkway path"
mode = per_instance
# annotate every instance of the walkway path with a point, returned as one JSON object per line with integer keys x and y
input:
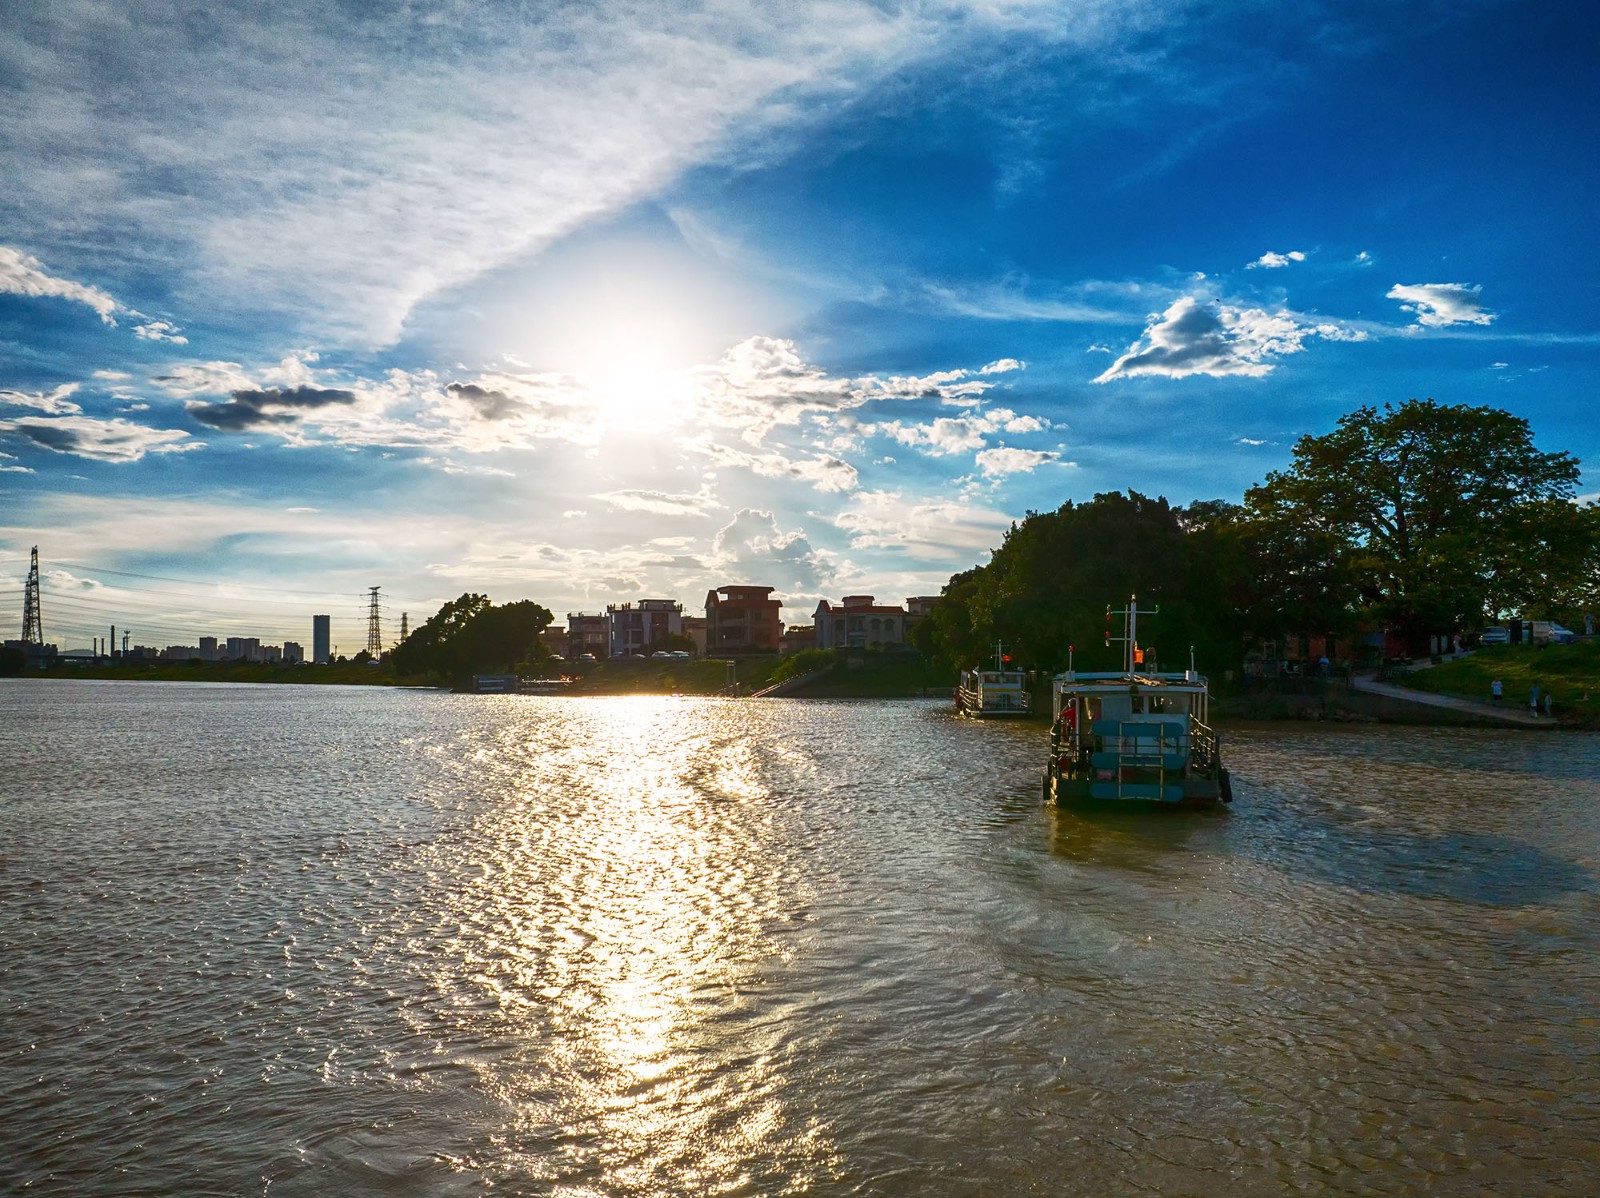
{"x": 1510, "y": 713}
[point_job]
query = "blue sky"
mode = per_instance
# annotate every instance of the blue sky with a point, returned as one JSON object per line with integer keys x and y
{"x": 593, "y": 303}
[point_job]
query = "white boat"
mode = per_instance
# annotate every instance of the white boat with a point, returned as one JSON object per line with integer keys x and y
{"x": 985, "y": 694}
{"x": 1133, "y": 736}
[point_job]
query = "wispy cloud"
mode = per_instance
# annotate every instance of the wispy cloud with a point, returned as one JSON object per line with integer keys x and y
{"x": 114, "y": 440}
{"x": 660, "y": 503}
{"x": 1439, "y": 305}
{"x": 945, "y": 531}
{"x": 55, "y": 402}
{"x": 21, "y": 274}
{"x": 996, "y": 463}
{"x": 341, "y": 169}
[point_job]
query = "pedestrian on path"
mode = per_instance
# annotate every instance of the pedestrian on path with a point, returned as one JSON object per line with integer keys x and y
{"x": 1548, "y": 705}
{"x": 1494, "y": 692}
{"x": 1533, "y": 700}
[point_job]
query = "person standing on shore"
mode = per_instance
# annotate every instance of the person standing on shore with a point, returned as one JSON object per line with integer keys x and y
{"x": 1533, "y": 700}
{"x": 1494, "y": 692}
{"x": 1549, "y": 705}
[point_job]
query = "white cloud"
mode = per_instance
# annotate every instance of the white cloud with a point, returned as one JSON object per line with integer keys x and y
{"x": 1250, "y": 441}
{"x": 1439, "y": 305}
{"x": 1272, "y": 261}
{"x": 1002, "y": 366}
{"x": 957, "y": 434}
{"x": 203, "y": 378}
{"x": 946, "y": 531}
{"x": 54, "y": 403}
{"x": 5, "y": 469}
{"x": 827, "y": 473}
{"x": 660, "y": 503}
{"x": 1196, "y": 336}
{"x": 761, "y": 553}
{"x": 24, "y": 275}
{"x": 112, "y": 376}
{"x": 763, "y": 382}
{"x": 160, "y": 330}
{"x": 113, "y": 440}
{"x": 999, "y": 462}
{"x": 342, "y": 169}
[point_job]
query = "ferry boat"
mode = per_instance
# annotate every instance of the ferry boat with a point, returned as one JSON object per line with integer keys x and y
{"x": 1133, "y": 736}
{"x": 984, "y": 694}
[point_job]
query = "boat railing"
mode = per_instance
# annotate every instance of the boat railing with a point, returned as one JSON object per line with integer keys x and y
{"x": 1204, "y": 746}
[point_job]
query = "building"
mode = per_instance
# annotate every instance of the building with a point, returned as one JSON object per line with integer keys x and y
{"x": 695, "y": 628}
{"x": 797, "y": 638}
{"x": 640, "y": 627}
{"x": 587, "y": 633}
{"x": 553, "y": 641}
{"x": 243, "y": 648}
{"x": 742, "y": 619}
{"x": 321, "y": 640}
{"x": 208, "y": 649}
{"x": 859, "y": 622}
{"x": 293, "y": 653}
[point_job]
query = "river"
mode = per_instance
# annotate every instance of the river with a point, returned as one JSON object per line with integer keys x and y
{"x": 306, "y": 941}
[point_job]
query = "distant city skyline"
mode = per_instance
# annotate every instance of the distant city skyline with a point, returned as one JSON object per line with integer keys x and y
{"x": 588, "y": 304}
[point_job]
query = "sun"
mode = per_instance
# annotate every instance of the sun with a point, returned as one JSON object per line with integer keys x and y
{"x": 634, "y": 372}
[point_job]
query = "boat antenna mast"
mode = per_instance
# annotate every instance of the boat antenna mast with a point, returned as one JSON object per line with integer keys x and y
{"x": 1130, "y": 626}
{"x": 999, "y": 655}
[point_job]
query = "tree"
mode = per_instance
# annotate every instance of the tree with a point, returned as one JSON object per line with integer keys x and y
{"x": 1048, "y": 585}
{"x": 470, "y": 635}
{"x": 1420, "y": 514}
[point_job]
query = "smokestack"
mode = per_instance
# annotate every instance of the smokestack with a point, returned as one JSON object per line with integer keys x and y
{"x": 113, "y": 646}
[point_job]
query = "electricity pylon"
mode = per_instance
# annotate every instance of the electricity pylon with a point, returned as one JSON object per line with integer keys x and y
{"x": 32, "y": 613}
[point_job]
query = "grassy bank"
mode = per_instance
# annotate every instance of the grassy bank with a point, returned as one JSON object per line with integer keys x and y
{"x": 1570, "y": 672}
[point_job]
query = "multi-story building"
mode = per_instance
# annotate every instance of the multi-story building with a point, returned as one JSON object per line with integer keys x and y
{"x": 243, "y": 648}
{"x": 321, "y": 640}
{"x": 742, "y": 619}
{"x": 293, "y": 653}
{"x": 587, "y": 633}
{"x": 208, "y": 649}
{"x": 859, "y": 622}
{"x": 797, "y": 637}
{"x": 636, "y": 627}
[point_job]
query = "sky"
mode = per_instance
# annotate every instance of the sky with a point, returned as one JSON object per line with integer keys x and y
{"x": 591, "y": 303}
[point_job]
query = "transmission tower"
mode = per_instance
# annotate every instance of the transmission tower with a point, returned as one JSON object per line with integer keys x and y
{"x": 32, "y": 614}
{"x": 405, "y": 626}
{"x": 374, "y": 624}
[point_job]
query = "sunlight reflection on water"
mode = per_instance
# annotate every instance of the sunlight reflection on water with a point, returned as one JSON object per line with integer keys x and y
{"x": 442, "y": 944}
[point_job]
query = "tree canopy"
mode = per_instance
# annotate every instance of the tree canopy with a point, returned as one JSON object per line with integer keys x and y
{"x": 1428, "y": 515}
{"x": 470, "y": 635}
{"x": 1422, "y": 518}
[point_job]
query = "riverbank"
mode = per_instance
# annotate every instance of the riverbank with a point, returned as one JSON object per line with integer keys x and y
{"x": 1570, "y": 673}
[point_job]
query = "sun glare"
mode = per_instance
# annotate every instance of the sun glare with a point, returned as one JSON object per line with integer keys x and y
{"x": 636, "y": 373}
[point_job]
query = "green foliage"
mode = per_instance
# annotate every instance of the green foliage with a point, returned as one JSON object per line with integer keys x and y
{"x": 1425, "y": 516}
{"x": 470, "y": 635}
{"x": 804, "y": 662}
{"x": 1420, "y": 518}
{"x": 1048, "y": 585}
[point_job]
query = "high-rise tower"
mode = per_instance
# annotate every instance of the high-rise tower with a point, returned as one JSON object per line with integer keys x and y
{"x": 32, "y": 615}
{"x": 321, "y": 640}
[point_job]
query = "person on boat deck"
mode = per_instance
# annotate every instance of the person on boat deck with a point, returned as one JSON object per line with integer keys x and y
{"x": 1494, "y": 692}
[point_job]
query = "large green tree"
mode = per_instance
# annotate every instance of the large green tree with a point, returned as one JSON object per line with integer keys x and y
{"x": 1048, "y": 585}
{"x": 470, "y": 635}
{"x": 1425, "y": 515}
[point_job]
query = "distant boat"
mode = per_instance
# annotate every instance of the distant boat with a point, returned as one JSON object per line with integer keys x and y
{"x": 1133, "y": 736}
{"x": 984, "y": 694}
